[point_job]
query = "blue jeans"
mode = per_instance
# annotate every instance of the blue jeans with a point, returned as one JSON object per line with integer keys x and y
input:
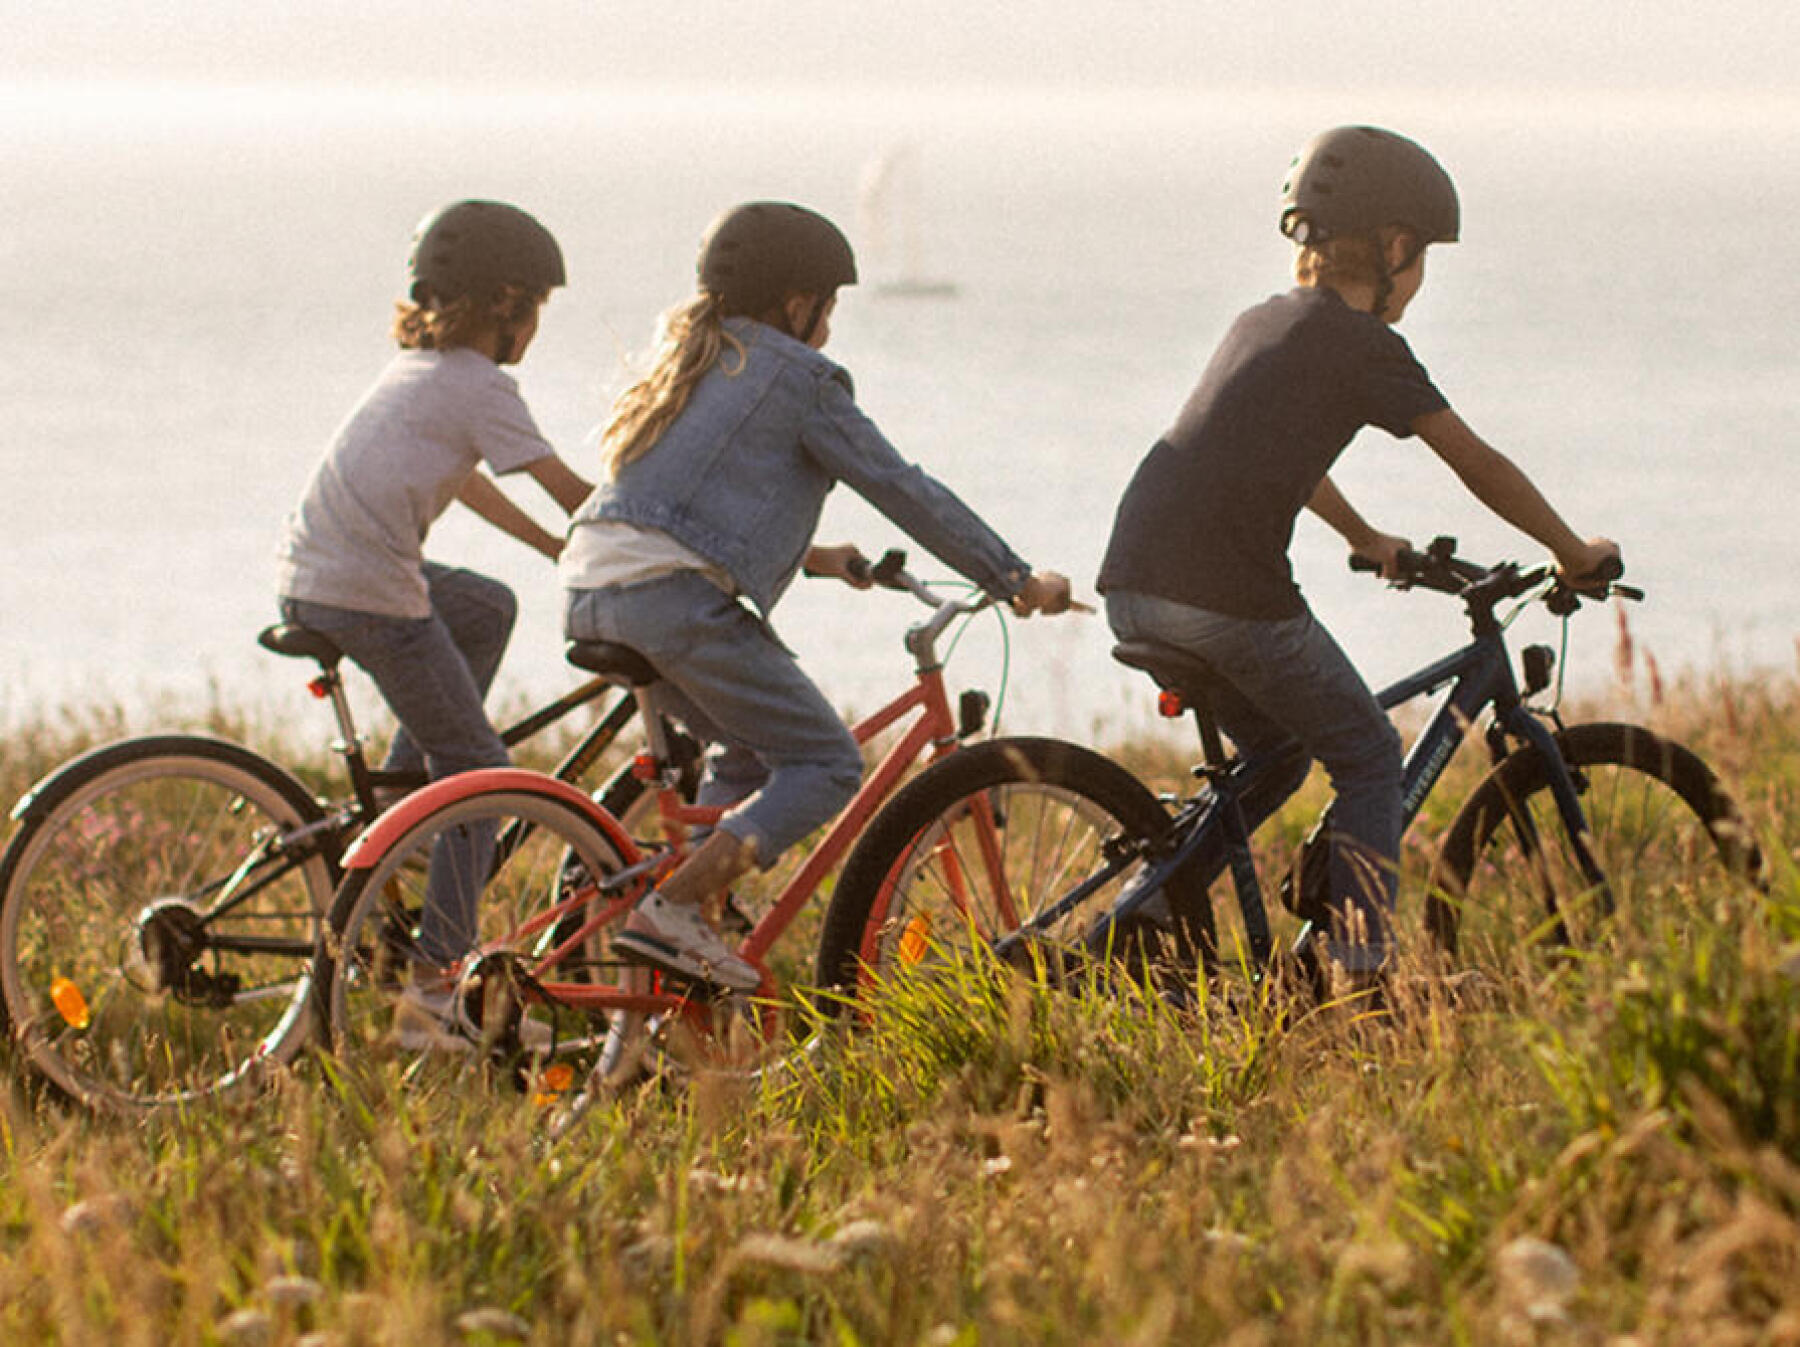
{"x": 1283, "y": 681}
{"x": 781, "y": 753}
{"x": 434, "y": 673}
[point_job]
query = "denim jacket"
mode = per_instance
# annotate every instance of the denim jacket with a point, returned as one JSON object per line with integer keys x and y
{"x": 741, "y": 475}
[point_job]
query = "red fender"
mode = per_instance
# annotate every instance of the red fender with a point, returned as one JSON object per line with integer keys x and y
{"x": 373, "y": 844}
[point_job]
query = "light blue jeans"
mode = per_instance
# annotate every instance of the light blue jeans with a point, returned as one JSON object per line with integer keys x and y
{"x": 781, "y": 754}
{"x": 434, "y": 673}
{"x": 1287, "y": 680}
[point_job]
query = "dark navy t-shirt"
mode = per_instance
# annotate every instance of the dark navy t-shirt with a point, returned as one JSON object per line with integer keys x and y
{"x": 1210, "y": 512}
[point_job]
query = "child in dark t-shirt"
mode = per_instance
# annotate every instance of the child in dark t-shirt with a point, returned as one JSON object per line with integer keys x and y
{"x": 1198, "y": 553}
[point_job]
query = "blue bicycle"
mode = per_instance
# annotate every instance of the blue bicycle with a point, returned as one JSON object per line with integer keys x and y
{"x": 1573, "y": 827}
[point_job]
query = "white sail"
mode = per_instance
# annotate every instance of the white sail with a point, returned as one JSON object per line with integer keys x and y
{"x": 889, "y": 207}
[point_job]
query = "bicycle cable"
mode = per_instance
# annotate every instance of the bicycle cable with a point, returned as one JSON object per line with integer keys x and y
{"x": 999, "y": 704}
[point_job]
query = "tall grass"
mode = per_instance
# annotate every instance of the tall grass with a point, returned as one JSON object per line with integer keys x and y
{"x": 1600, "y": 1150}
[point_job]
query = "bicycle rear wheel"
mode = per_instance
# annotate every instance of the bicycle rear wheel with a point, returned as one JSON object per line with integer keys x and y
{"x": 158, "y": 911}
{"x": 532, "y": 890}
{"x": 1660, "y": 826}
{"x": 973, "y": 848}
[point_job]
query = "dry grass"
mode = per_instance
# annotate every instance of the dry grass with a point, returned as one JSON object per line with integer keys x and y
{"x": 1603, "y": 1152}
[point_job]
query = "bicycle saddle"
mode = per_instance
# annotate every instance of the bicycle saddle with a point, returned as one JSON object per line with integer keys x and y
{"x": 1187, "y": 674}
{"x": 609, "y": 659}
{"x": 300, "y": 643}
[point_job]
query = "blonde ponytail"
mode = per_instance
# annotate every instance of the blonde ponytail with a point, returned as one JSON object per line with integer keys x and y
{"x": 690, "y": 339}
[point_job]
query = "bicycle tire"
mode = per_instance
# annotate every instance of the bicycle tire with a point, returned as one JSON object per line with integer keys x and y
{"x": 918, "y": 886}
{"x": 361, "y": 968}
{"x": 132, "y": 863}
{"x": 1661, "y": 826}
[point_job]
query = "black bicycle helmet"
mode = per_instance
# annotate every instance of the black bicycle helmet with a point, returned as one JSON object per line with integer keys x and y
{"x": 757, "y": 254}
{"x": 475, "y": 247}
{"x": 1356, "y": 179}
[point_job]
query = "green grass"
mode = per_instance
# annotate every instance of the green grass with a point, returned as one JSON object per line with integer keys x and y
{"x": 993, "y": 1162}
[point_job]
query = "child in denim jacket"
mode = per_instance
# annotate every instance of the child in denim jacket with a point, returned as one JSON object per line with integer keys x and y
{"x": 718, "y": 464}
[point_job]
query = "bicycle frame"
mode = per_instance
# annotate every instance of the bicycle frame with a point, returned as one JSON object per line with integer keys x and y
{"x": 932, "y": 732}
{"x": 281, "y": 854}
{"x": 1480, "y": 675}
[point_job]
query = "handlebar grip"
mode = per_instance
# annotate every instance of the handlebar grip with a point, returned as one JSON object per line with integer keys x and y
{"x": 1367, "y": 565}
{"x": 1609, "y": 570}
{"x": 886, "y": 571}
{"x": 859, "y": 569}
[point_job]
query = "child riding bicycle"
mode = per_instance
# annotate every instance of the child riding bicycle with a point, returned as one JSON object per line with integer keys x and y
{"x": 1198, "y": 554}
{"x": 352, "y": 565}
{"x": 718, "y": 462}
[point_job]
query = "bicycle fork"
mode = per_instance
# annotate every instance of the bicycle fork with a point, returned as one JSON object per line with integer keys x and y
{"x": 1566, "y": 788}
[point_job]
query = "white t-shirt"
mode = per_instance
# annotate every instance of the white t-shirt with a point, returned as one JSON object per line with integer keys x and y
{"x": 356, "y": 540}
{"x": 604, "y": 553}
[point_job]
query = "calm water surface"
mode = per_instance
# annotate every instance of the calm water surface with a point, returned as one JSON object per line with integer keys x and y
{"x": 197, "y": 289}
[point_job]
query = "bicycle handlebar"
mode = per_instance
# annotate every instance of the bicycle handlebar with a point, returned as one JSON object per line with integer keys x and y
{"x": 1439, "y": 568}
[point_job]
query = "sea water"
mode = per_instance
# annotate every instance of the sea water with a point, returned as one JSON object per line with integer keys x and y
{"x": 197, "y": 285}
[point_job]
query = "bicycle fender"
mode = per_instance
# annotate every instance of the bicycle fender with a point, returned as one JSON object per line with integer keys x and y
{"x": 369, "y": 847}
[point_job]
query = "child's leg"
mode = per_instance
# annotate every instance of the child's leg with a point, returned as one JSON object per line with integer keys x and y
{"x": 478, "y": 613}
{"x": 1294, "y": 680}
{"x": 732, "y": 682}
{"x": 426, "y": 681}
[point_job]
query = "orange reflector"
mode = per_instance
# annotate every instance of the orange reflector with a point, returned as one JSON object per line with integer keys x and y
{"x": 69, "y": 1003}
{"x": 319, "y": 688}
{"x": 643, "y": 767}
{"x": 555, "y": 1082}
{"x": 1169, "y": 703}
{"x": 915, "y": 939}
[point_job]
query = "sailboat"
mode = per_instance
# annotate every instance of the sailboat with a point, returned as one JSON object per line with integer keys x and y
{"x": 888, "y": 199}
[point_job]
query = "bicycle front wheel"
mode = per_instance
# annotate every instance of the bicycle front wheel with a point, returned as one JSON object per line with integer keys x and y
{"x": 158, "y": 911}
{"x": 975, "y": 847}
{"x": 524, "y": 869}
{"x": 1660, "y": 827}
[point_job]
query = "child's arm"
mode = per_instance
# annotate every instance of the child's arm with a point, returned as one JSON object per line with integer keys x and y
{"x": 566, "y": 486}
{"x": 479, "y": 493}
{"x": 1365, "y": 540}
{"x": 1498, "y": 483}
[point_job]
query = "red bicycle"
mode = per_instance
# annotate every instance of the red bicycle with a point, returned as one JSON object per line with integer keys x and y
{"x": 556, "y": 873}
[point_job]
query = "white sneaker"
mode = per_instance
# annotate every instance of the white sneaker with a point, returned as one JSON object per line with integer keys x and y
{"x": 428, "y": 1018}
{"x": 676, "y": 937}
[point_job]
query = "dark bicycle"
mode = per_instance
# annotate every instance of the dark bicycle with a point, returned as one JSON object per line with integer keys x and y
{"x": 161, "y": 899}
{"x": 1573, "y": 824}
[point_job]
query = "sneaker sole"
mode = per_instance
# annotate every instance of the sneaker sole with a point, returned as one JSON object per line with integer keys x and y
{"x": 641, "y": 947}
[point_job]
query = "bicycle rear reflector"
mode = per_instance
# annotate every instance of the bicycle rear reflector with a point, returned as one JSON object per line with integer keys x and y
{"x": 1169, "y": 703}
{"x": 69, "y": 1003}
{"x": 915, "y": 940}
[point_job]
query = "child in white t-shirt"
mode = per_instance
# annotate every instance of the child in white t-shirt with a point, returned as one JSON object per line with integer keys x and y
{"x": 352, "y": 565}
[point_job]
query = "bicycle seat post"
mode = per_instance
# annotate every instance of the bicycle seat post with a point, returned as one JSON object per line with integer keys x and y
{"x": 1187, "y": 684}
{"x": 624, "y": 667}
{"x": 328, "y": 685}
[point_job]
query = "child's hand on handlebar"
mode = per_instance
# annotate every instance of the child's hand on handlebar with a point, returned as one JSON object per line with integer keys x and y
{"x": 839, "y": 561}
{"x": 1383, "y": 551}
{"x": 1592, "y": 565}
{"x": 1043, "y": 592}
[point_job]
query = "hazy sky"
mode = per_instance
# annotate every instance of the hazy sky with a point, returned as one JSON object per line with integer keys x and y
{"x": 1743, "y": 46}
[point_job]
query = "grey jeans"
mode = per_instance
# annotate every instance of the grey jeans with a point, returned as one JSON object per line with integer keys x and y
{"x": 1286, "y": 680}
{"x": 434, "y": 673}
{"x": 782, "y": 755}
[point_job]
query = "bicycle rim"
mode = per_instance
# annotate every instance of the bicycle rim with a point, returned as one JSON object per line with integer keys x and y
{"x": 155, "y": 948}
{"x": 976, "y": 847}
{"x": 529, "y": 900}
{"x": 1661, "y": 828}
